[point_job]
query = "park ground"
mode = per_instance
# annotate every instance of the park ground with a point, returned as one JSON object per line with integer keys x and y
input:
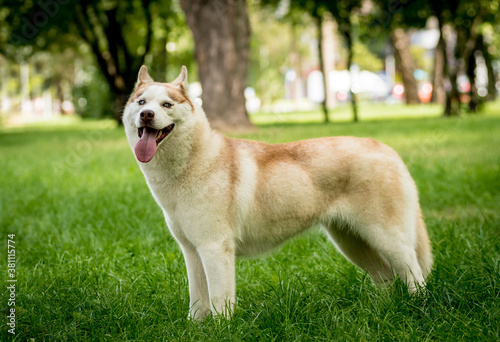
{"x": 95, "y": 260}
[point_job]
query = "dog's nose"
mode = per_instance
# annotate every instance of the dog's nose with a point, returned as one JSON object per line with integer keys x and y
{"x": 147, "y": 116}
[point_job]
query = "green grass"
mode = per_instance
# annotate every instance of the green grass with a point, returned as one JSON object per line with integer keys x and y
{"x": 96, "y": 260}
{"x": 343, "y": 113}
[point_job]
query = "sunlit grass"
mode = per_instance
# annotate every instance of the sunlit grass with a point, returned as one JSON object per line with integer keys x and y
{"x": 96, "y": 261}
{"x": 343, "y": 113}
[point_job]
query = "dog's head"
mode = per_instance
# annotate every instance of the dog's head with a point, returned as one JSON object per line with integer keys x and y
{"x": 156, "y": 112}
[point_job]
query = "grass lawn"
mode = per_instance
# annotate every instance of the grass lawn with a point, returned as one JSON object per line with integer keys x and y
{"x": 95, "y": 260}
{"x": 343, "y": 113}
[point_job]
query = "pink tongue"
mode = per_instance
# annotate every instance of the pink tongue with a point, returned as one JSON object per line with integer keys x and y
{"x": 145, "y": 148}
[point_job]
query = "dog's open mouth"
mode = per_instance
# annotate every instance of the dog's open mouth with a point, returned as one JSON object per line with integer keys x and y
{"x": 160, "y": 134}
{"x": 146, "y": 147}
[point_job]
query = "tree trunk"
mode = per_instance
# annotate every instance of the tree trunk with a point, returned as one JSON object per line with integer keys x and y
{"x": 296, "y": 64}
{"x": 471, "y": 75}
{"x": 483, "y": 47}
{"x": 452, "y": 103}
{"x": 460, "y": 49}
{"x": 319, "y": 27}
{"x": 221, "y": 32}
{"x": 475, "y": 100}
{"x": 350, "y": 55}
{"x": 401, "y": 45}
{"x": 438, "y": 93}
{"x": 452, "y": 99}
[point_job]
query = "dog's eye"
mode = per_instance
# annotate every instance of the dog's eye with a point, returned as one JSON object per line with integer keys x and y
{"x": 167, "y": 104}
{"x": 141, "y": 102}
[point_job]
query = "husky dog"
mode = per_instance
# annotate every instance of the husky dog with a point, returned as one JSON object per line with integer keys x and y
{"x": 225, "y": 197}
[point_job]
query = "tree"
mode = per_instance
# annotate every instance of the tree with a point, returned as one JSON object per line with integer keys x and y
{"x": 395, "y": 18}
{"x": 343, "y": 12}
{"x": 401, "y": 45}
{"x": 318, "y": 19}
{"x": 438, "y": 92}
{"x": 460, "y": 26}
{"x": 119, "y": 34}
{"x": 221, "y": 33}
{"x": 488, "y": 59}
{"x": 268, "y": 55}
{"x": 316, "y": 10}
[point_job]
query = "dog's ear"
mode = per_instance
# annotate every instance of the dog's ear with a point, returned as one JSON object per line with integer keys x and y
{"x": 143, "y": 76}
{"x": 181, "y": 80}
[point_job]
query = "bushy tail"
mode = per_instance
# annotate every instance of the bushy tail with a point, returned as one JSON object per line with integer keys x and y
{"x": 423, "y": 249}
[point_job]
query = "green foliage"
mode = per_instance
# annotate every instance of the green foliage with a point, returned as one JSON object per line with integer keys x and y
{"x": 422, "y": 59}
{"x": 183, "y": 54}
{"x": 269, "y": 57}
{"x": 96, "y": 261}
{"x": 389, "y": 14}
{"x": 365, "y": 58}
{"x": 119, "y": 35}
{"x": 92, "y": 97}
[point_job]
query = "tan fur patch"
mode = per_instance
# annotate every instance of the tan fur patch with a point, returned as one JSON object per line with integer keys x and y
{"x": 228, "y": 159}
{"x": 137, "y": 92}
{"x": 176, "y": 94}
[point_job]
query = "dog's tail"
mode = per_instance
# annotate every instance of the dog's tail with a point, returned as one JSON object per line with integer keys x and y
{"x": 423, "y": 249}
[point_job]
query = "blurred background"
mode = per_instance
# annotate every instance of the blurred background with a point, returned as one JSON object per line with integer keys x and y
{"x": 249, "y": 61}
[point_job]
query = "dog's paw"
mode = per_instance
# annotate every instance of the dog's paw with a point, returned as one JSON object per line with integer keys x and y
{"x": 198, "y": 314}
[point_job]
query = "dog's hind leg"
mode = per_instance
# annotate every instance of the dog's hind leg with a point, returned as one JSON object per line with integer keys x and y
{"x": 424, "y": 248}
{"x": 403, "y": 258}
{"x": 360, "y": 253}
{"x": 397, "y": 247}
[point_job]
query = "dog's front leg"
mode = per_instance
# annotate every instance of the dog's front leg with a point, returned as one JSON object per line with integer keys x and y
{"x": 199, "y": 302}
{"x": 219, "y": 263}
